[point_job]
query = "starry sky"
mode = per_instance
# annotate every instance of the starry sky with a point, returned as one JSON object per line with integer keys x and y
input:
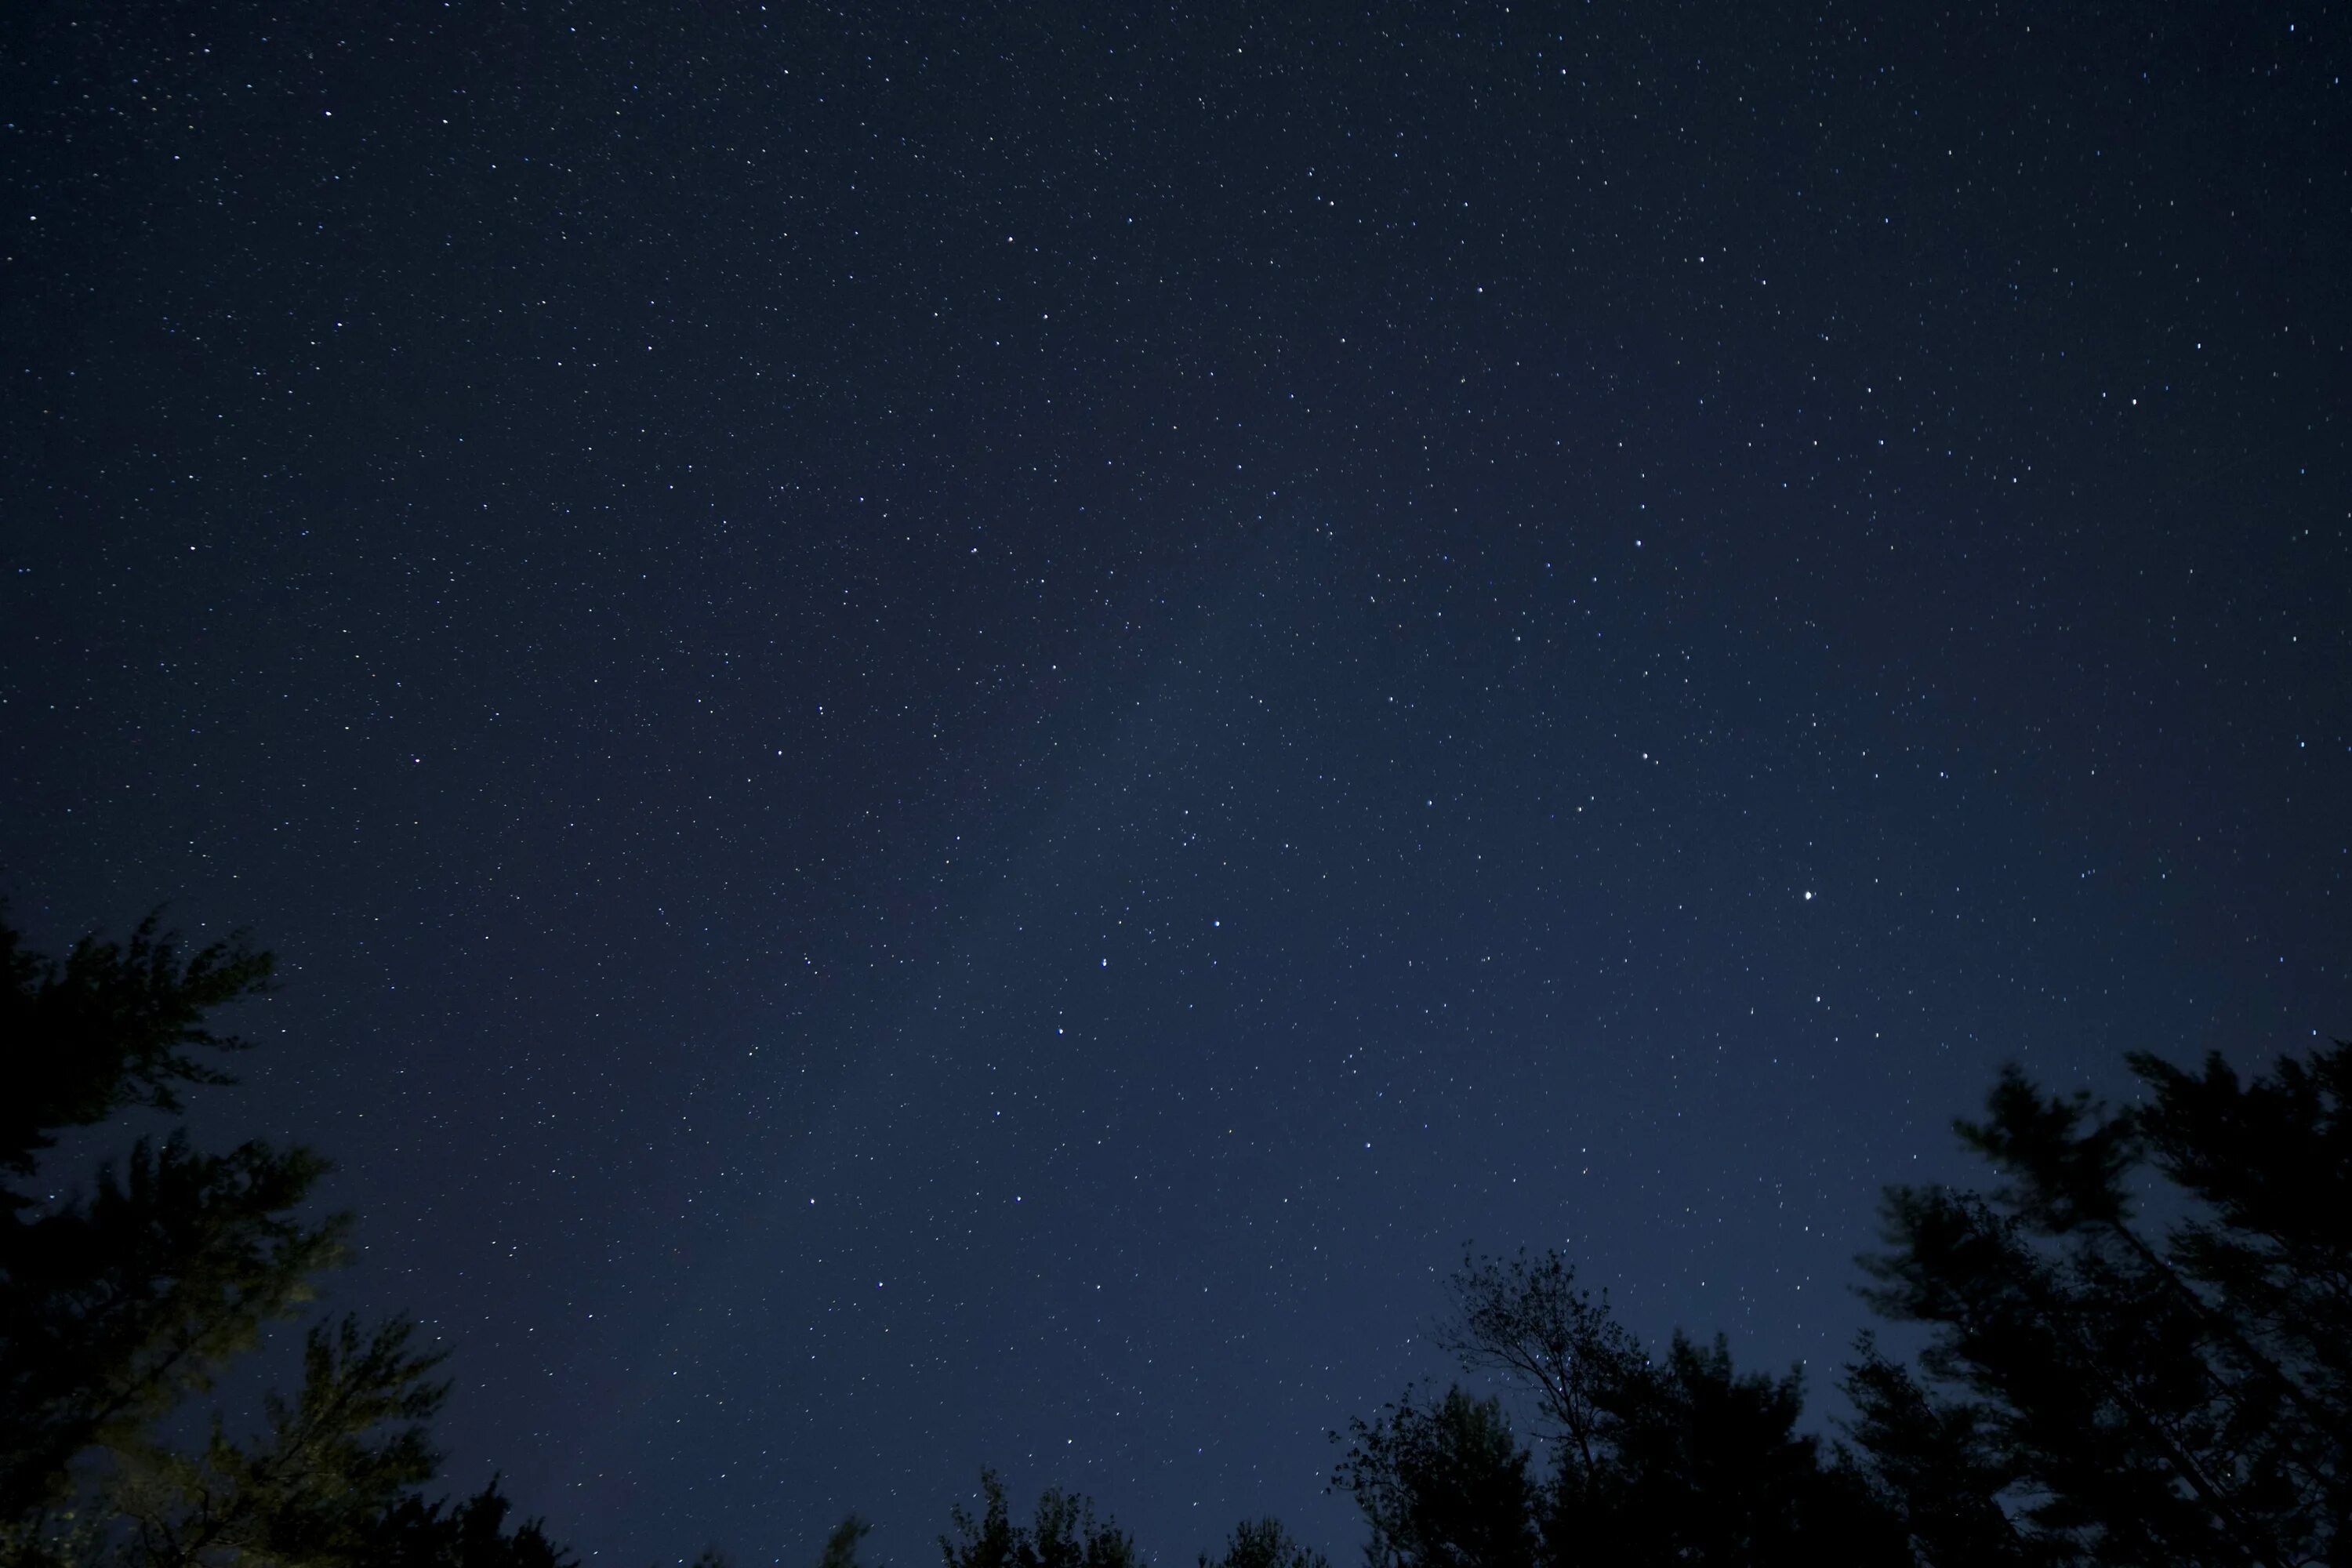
{"x": 964, "y": 727}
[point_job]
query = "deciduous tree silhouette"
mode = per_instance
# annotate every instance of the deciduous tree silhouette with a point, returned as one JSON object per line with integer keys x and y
{"x": 1442, "y": 1486}
{"x": 1679, "y": 1459}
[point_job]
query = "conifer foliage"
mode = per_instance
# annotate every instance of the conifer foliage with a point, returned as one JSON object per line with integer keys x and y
{"x": 2137, "y": 1350}
{"x": 2100, "y": 1388}
{"x": 122, "y": 1302}
{"x": 2095, "y": 1388}
{"x": 1065, "y": 1534}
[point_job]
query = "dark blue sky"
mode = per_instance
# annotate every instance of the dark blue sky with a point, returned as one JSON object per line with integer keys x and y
{"x": 964, "y": 729}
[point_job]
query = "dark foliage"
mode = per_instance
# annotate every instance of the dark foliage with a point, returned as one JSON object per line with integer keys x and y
{"x": 2101, "y": 1390}
{"x": 1264, "y": 1543}
{"x": 1676, "y": 1460}
{"x": 115, "y": 1024}
{"x": 414, "y": 1533}
{"x": 1065, "y": 1534}
{"x": 313, "y": 1489}
{"x": 1444, "y": 1486}
{"x": 1937, "y": 1466}
{"x": 117, "y": 1307}
{"x": 2097, "y": 1388}
{"x": 121, "y": 1303}
{"x": 841, "y": 1546}
{"x": 1527, "y": 1317}
{"x": 1709, "y": 1467}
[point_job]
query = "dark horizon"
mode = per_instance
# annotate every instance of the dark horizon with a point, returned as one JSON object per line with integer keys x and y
{"x": 964, "y": 733}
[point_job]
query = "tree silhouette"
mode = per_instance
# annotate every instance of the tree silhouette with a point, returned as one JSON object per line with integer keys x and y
{"x": 2096, "y": 1387}
{"x": 1065, "y": 1534}
{"x": 336, "y": 1457}
{"x": 1444, "y": 1486}
{"x": 414, "y": 1533}
{"x": 841, "y": 1546}
{"x": 113, "y": 1025}
{"x": 1678, "y": 1459}
{"x": 2099, "y": 1389}
{"x": 1709, "y": 1467}
{"x": 1264, "y": 1543}
{"x": 120, "y": 1305}
{"x": 1525, "y": 1317}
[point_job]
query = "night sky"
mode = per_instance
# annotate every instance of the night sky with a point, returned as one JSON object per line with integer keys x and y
{"x": 963, "y": 727}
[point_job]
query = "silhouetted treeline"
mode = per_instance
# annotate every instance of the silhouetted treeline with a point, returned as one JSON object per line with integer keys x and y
{"x": 1678, "y": 1459}
{"x": 2095, "y": 1388}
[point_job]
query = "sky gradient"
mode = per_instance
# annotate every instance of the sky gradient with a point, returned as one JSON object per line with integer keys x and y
{"x": 963, "y": 728}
